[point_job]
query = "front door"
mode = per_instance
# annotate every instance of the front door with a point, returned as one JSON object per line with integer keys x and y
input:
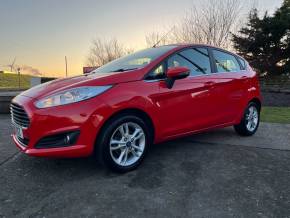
{"x": 187, "y": 106}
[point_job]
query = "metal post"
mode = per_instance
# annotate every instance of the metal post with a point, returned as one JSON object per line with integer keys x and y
{"x": 65, "y": 66}
{"x": 18, "y": 70}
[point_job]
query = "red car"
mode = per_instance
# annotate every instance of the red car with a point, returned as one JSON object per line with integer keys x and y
{"x": 117, "y": 111}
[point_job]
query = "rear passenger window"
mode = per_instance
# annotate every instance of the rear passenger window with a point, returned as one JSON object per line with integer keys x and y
{"x": 225, "y": 62}
{"x": 243, "y": 63}
{"x": 196, "y": 59}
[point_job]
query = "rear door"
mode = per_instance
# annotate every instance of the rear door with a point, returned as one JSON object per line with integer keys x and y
{"x": 229, "y": 85}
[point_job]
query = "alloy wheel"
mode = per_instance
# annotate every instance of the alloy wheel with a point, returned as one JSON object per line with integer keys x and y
{"x": 127, "y": 144}
{"x": 252, "y": 118}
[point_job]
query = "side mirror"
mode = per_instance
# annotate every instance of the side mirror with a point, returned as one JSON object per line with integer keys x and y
{"x": 176, "y": 73}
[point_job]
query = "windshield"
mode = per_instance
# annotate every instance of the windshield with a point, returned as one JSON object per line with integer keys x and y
{"x": 134, "y": 61}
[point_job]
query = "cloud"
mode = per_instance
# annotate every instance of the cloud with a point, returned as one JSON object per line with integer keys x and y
{"x": 30, "y": 70}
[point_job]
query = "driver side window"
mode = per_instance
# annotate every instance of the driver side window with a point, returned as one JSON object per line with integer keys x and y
{"x": 196, "y": 59}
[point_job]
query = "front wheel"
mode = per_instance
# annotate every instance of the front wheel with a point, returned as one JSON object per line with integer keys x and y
{"x": 250, "y": 121}
{"x": 123, "y": 143}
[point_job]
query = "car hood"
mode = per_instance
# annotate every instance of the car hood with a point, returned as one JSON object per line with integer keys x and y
{"x": 59, "y": 85}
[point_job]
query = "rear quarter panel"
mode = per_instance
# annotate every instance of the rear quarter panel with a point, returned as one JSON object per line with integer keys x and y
{"x": 252, "y": 88}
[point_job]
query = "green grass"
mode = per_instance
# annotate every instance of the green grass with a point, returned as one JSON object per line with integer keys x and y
{"x": 276, "y": 115}
{"x": 10, "y": 81}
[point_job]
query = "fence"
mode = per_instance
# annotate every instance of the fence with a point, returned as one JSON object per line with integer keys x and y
{"x": 275, "y": 84}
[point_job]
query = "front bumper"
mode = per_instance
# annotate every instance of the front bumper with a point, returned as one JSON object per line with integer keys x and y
{"x": 65, "y": 152}
{"x": 86, "y": 117}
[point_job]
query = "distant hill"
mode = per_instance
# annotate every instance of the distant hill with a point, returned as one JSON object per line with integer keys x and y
{"x": 10, "y": 81}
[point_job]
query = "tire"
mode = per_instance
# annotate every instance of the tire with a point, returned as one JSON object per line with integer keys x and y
{"x": 250, "y": 121}
{"x": 117, "y": 139}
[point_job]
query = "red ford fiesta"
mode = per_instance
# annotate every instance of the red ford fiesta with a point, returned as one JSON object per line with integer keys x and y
{"x": 119, "y": 110}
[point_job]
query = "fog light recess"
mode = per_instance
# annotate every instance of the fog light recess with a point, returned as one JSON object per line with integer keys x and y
{"x": 60, "y": 140}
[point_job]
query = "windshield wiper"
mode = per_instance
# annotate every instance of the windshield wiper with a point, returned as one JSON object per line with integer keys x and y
{"x": 124, "y": 69}
{"x": 118, "y": 70}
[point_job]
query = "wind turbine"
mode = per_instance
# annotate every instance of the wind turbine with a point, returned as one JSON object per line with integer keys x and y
{"x": 12, "y": 65}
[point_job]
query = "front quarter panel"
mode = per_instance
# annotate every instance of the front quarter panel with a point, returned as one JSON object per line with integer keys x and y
{"x": 45, "y": 122}
{"x": 134, "y": 95}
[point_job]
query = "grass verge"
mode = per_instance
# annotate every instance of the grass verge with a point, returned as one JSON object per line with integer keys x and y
{"x": 11, "y": 81}
{"x": 276, "y": 115}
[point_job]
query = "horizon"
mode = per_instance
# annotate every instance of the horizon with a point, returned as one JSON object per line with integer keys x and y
{"x": 39, "y": 34}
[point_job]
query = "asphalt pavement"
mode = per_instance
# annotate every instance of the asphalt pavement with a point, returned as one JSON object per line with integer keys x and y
{"x": 214, "y": 174}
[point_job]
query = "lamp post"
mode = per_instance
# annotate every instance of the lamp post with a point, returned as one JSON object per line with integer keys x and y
{"x": 65, "y": 66}
{"x": 18, "y": 71}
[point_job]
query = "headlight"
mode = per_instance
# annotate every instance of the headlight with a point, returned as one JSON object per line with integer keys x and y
{"x": 71, "y": 96}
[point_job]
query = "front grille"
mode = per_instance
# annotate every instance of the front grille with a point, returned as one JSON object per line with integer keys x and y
{"x": 19, "y": 116}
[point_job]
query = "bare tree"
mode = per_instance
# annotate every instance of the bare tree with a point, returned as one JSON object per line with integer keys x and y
{"x": 214, "y": 23}
{"x": 211, "y": 23}
{"x": 104, "y": 51}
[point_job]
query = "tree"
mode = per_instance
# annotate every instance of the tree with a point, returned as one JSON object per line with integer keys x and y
{"x": 102, "y": 52}
{"x": 282, "y": 36}
{"x": 265, "y": 42}
{"x": 210, "y": 24}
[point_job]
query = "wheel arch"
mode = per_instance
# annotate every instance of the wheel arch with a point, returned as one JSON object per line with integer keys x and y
{"x": 240, "y": 126}
{"x": 130, "y": 111}
{"x": 256, "y": 101}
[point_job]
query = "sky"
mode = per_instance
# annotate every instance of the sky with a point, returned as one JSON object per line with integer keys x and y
{"x": 39, "y": 33}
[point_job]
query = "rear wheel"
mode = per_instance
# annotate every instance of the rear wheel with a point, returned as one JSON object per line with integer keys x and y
{"x": 250, "y": 121}
{"x": 123, "y": 143}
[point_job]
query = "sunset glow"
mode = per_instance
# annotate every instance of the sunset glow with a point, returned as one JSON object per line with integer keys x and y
{"x": 39, "y": 34}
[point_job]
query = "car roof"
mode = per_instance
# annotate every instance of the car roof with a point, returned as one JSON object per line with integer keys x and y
{"x": 178, "y": 46}
{"x": 185, "y": 45}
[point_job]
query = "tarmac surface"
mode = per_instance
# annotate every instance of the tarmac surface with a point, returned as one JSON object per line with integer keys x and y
{"x": 214, "y": 174}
